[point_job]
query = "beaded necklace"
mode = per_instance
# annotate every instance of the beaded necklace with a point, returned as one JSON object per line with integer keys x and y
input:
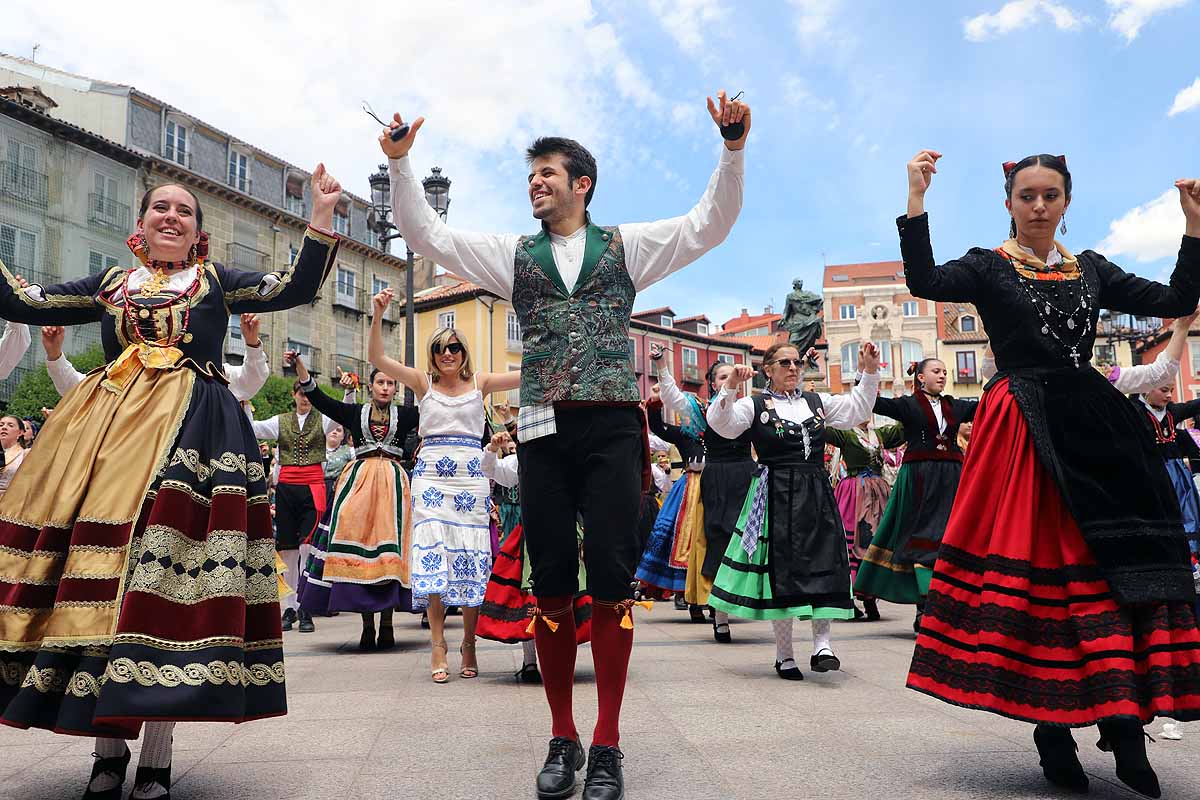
{"x": 1159, "y": 436}
{"x": 145, "y": 311}
{"x": 1047, "y": 310}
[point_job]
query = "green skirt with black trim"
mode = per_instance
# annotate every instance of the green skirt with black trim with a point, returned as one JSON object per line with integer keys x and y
{"x": 878, "y": 575}
{"x": 742, "y": 587}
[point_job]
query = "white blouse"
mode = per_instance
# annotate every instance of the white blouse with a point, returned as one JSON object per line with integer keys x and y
{"x": 731, "y": 418}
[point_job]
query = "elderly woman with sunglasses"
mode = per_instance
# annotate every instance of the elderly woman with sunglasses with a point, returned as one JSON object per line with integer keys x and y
{"x": 788, "y": 560}
{"x": 451, "y": 539}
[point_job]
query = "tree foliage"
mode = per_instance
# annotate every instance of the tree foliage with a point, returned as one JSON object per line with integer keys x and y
{"x": 36, "y": 390}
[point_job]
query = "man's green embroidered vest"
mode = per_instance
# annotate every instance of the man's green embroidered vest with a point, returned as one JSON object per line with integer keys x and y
{"x": 301, "y": 447}
{"x": 575, "y": 343}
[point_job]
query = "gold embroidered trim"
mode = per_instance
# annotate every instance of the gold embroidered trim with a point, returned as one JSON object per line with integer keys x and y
{"x": 178, "y": 647}
{"x": 232, "y": 673}
{"x": 13, "y": 551}
{"x": 228, "y": 462}
{"x": 50, "y": 301}
{"x": 225, "y": 564}
{"x": 22, "y": 610}
{"x": 12, "y": 673}
{"x": 55, "y": 681}
{"x": 81, "y": 577}
{"x": 285, "y": 275}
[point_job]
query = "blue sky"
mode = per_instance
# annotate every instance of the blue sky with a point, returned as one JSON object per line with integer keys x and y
{"x": 843, "y": 94}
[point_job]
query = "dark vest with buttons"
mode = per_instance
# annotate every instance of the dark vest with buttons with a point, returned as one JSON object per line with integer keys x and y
{"x": 575, "y": 343}
{"x": 301, "y": 447}
{"x": 780, "y": 442}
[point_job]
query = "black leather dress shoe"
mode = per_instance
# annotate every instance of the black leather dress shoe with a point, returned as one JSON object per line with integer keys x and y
{"x": 146, "y": 777}
{"x": 871, "y": 607}
{"x": 792, "y": 673}
{"x": 113, "y": 766}
{"x": 288, "y": 619}
{"x": 557, "y": 778}
{"x": 529, "y": 673}
{"x": 721, "y": 632}
{"x": 604, "y": 780}
{"x": 306, "y": 622}
{"x": 825, "y": 661}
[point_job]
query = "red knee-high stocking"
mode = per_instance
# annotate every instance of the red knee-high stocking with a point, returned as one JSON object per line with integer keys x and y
{"x": 612, "y": 642}
{"x": 554, "y": 635}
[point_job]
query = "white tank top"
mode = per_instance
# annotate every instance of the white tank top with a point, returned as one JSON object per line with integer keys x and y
{"x": 443, "y": 415}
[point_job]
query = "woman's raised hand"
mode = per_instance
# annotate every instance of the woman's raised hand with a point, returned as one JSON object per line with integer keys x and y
{"x": 741, "y": 374}
{"x": 868, "y": 358}
{"x": 381, "y": 301}
{"x": 1189, "y": 199}
{"x": 921, "y": 171}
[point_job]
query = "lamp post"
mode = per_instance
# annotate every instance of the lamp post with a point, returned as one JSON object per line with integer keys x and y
{"x": 1116, "y": 327}
{"x": 437, "y": 193}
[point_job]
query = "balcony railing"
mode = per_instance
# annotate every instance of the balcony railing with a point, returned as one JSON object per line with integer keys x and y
{"x": 311, "y": 356}
{"x": 346, "y": 296}
{"x": 235, "y": 345}
{"x": 296, "y": 206}
{"x": 240, "y": 256}
{"x": 24, "y": 184}
{"x": 107, "y": 213}
{"x": 691, "y": 373}
{"x": 968, "y": 376}
{"x": 513, "y": 345}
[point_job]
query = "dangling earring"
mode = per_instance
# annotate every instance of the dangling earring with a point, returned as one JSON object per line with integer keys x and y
{"x": 191, "y": 256}
{"x": 1063, "y": 226}
{"x": 1012, "y": 229}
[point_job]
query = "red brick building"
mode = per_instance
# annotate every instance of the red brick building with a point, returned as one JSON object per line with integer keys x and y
{"x": 694, "y": 349}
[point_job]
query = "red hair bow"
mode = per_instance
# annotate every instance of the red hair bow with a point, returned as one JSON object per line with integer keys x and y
{"x": 1008, "y": 165}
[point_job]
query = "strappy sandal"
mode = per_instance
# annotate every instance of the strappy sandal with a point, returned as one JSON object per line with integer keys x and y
{"x": 466, "y": 671}
{"x": 440, "y": 674}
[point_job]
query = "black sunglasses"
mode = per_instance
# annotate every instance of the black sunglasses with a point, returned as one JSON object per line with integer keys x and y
{"x": 787, "y": 363}
{"x": 454, "y": 347}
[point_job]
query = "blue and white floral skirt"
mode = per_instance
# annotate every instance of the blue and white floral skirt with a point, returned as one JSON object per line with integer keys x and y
{"x": 451, "y": 535}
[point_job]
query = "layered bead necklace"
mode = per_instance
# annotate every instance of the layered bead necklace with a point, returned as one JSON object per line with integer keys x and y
{"x": 1055, "y": 319}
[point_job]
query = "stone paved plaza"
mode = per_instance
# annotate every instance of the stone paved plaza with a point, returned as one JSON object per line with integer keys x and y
{"x": 701, "y": 721}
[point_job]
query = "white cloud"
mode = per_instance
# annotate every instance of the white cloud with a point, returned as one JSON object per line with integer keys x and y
{"x": 292, "y": 76}
{"x": 1130, "y": 15}
{"x": 1148, "y": 232}
{"x": 1187, "y": 100}
{"x": 812, "y": 18}
{"x": 1019, "y": 14}
{"x": 687, "y": 20}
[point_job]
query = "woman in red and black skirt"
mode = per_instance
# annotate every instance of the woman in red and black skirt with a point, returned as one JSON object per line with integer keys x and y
{"x": 1062, "y": 594}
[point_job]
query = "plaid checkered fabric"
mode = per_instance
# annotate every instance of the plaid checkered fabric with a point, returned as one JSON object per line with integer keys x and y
{"x": 758, "y": 514}
{"x": 534, "y": 422}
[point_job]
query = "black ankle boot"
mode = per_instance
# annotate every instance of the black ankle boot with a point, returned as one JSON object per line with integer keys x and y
{"x": 557, "y": 778}
{"x": 871, "y": 606}
{"x": 366, "y": 642}
{"x": 1060, "y": 764}
{"x": 605, "y": 780}
{"x": 1126, "y": 740}
{"x": 117, "y": 766}
{"x": 150, "y": 775}
{"x": 387, "y": 638}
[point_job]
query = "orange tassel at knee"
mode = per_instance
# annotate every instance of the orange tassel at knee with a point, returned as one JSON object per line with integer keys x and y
{"x": 536, "y": 613}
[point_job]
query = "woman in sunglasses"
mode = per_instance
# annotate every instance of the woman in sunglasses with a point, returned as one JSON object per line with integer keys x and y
{"x": 789, "y": 559}
{"x": 899, "y": 561}
{"x": 1062, "y": 593}
{"x": 451, "y": 538}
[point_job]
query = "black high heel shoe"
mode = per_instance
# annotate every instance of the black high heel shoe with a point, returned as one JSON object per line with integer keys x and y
{"x": 1060, "y": 764}
{"x": 1126, "y": 740}
{"x": 116, "y": 766}
{"x": 151, "y": 775}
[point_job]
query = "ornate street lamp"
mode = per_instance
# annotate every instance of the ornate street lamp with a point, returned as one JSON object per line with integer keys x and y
{"x": 437, "y": 193}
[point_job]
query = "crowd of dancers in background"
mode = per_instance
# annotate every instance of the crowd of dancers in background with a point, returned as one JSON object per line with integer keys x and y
{"x": 1045, "y": 533}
